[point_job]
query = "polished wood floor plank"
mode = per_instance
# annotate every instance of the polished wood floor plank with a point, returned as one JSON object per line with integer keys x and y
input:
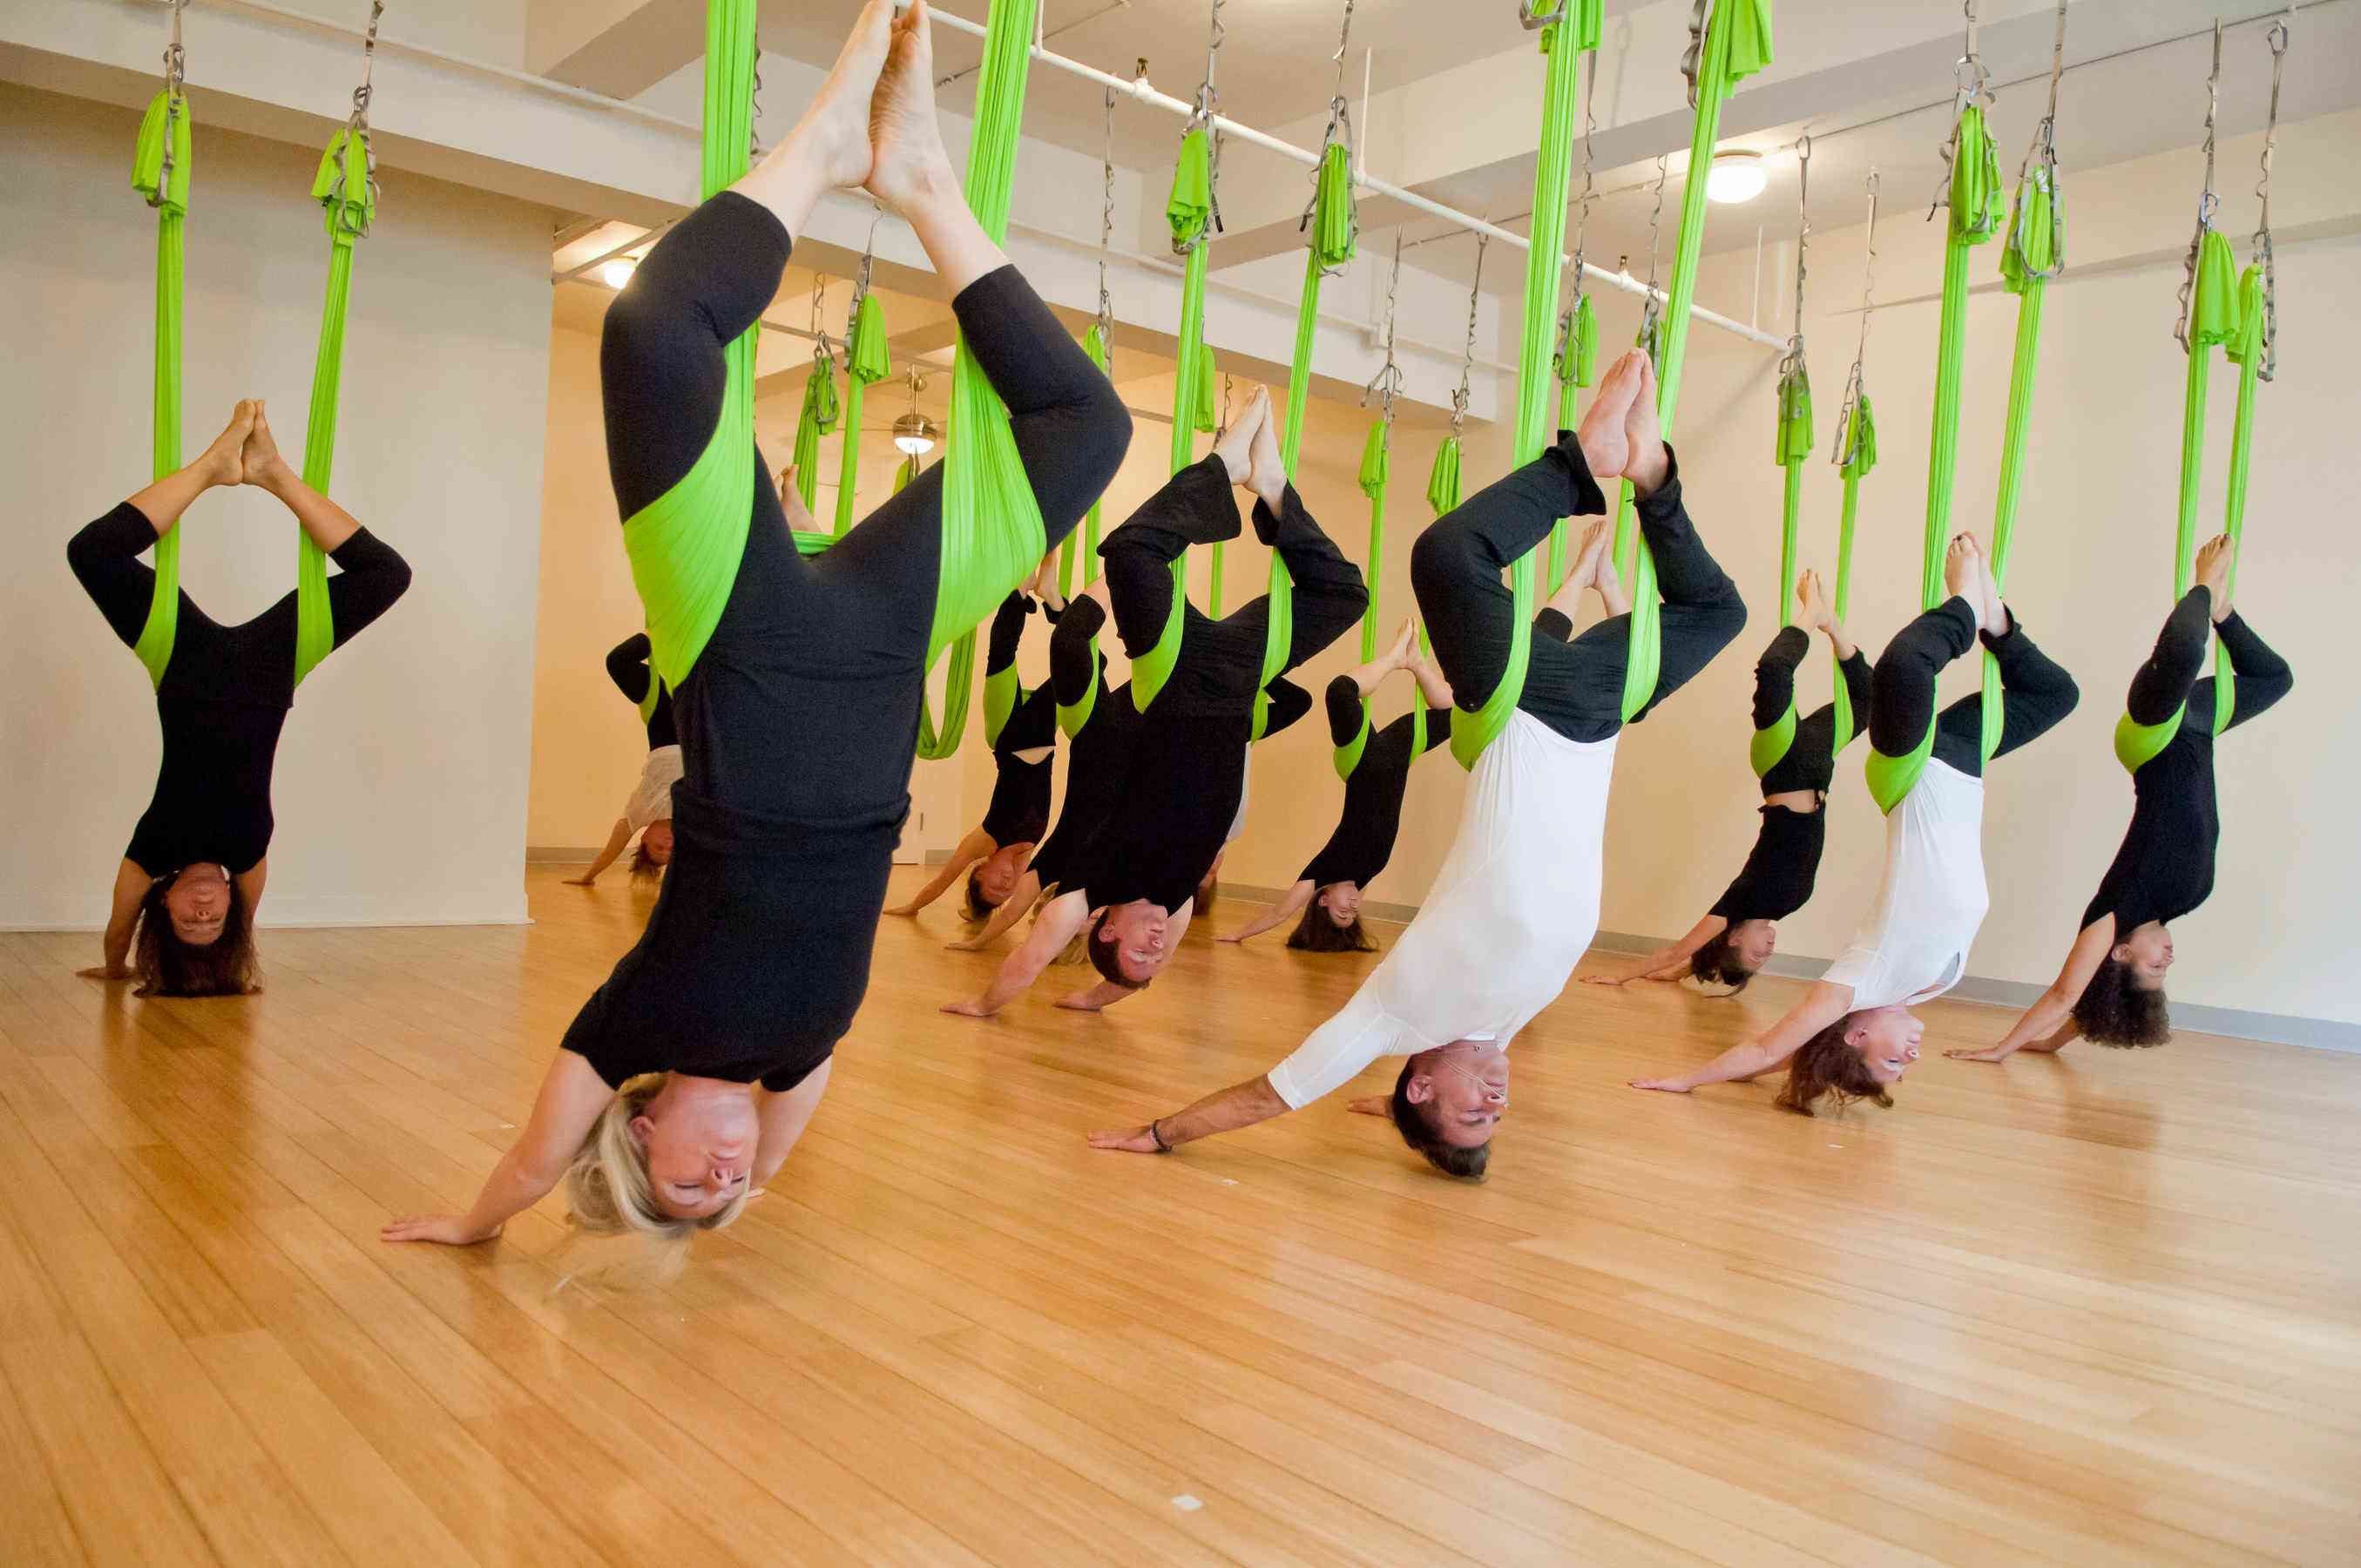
{"x": 2097, "y": 1310}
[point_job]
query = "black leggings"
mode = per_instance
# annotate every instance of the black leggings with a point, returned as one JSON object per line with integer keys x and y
{"x": 2168, "y": 679}
{"x": 1221, "y": 660}
{"x": 1902, "y": 701}
{"x": 1574, "y": 687}
{"x": 254, "y": 660}
{"x": 1810, "y": 763}
{"x": 805, "y": 702}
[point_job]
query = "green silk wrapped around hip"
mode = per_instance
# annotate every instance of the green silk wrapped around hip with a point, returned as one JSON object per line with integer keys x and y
{"x": 1553, "y": 170}
{"x": 1348, "y": 756}
{"x": 171, "y": 203}
{"x": 1737, "y": 44}
{"x": 685, "y": 546}
{"x": 1765, "y": 751}
{"x": 1890, "y": 778}
{"x": 867, "y": 358}
{"x": 993, "y": 533}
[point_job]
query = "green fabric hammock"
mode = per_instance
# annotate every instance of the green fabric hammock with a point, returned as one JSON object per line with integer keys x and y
{"x": 821, "y": 414}
{"x": 1333, "y": 239}
{"x": 867, "y": 360}
{"x": 2224, "y": 312}
{"x": 1974, "y": 217}
{"x": 1376, "y": 465}
{"x": 684, "y": 545}
{"x": 1186, "y": 213}
{"x": 992, "y": 534}
{"x": 341, "y": 187}
{"x": 2034, "y": 252}
{"x": 1737, "y": 44}
{"x": 1860, "y": 456}
{"x": 1791, "y": 446}
{"x": 1443, "y": 478}
{"x": 1095, "y": 345}
{"x": 1563, "y": 42}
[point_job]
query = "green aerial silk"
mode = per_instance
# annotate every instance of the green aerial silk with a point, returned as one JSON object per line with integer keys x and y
{"x": 166, "y": 125}
{"x": 1094, "y": 344}
{"x": 820, "y": 414}
{"x": 1737, "y": 44}
{"x": 1792, "y": 445}
{"x": 1334, "y": 233}
{"x": 1186, "y": 212}
{"x": 2216, "y": 318}
{"x": 1442, "y": 479}
{"x": 1563, "y": 42}
{"x": 341, "y": 187}
{"x": 1376, "y": 464}
{"x": 992, "y": 534}
{"x": 1974, "y": 217}
{"x": 684, "y": 545}
{"x": 1861, "y": 457}
{"x": 2034, "y": 252}
{"x": 1577, "y": 363}
{"x": 866, "y": 359}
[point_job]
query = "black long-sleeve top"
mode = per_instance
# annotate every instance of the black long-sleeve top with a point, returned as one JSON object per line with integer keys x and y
{"x": 1364, "y": 839}
{"x": 1784, "y": 864}
{"x": 2165, "y": 866}
{"x": 226, "y": 693}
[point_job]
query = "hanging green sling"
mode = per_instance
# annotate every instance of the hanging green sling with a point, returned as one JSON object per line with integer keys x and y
{"x": 1974, "y": 208}
{"x": 1572, "y": 29}
{"x": 1727, "y": 48}
{"x": 685, "y": 546}
{"x": 345, "y": 187}
{"x": 822, "y": 411}
{"x": 1377, "y": 468}
{"x": 1791, "y": 445}
{"x": 867, "y": 361}
{"x": 2239, "y": 314}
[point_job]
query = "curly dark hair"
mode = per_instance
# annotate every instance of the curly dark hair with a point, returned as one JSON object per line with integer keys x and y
{"x": 1826, "y": 1064}
{"x": 1409, "y": 1120}
{"x": 1717, "y": 963}
{"x": 2115, "y": 1009}
{"x": 168, "y": 966}
{"x": 1107, "y": 957}
{"x": 1317, "y": 933}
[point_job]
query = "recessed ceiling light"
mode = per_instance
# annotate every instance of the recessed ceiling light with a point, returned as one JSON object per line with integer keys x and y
{"x": 1735, "y": 176}
{"x": 618, "y": 272}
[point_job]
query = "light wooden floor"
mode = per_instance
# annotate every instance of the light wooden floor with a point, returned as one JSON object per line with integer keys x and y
{"x": 2100, "y": 1309}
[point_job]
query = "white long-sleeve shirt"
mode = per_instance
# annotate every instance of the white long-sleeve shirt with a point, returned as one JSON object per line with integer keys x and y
{"x": 652, "y": 796}
{"x": 1914, "y": 945}
{"x": 1511, "y": 912}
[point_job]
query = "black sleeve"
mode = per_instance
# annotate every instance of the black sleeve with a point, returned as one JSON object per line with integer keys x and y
{"x": 627, "y": 666}
{"x": 1288, "y": 702}
{"x": 371, "y": 575}
{"x": 1008, "y": 632}
{"x": 2263, "y": 676}
{"x": 1343, "y": 699}
{"x": 106, "y": 560}
{"x": 1774, "y": 675}
{"x": 1554, "y": 623}
{"x": 1857, "y": 686}
{"x": 2163, "y": 683}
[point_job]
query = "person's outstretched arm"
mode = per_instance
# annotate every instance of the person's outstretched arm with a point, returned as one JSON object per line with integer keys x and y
{"x": 1821, "y": 1007}
{"x": 975, "y": 847}
{"x": 1240, "y": 1105}
{"x": 1052, "y": 930}
{"x": 1290, "y": 905}
{"x": 1667, "y": 962}
{"x": 572, "y": 1097}
{"x": 1014, "y": 908}
{"x": 783, "y": 1118}
{"x": 2049, "y": 1024}
{"x": 616, "y": 842}
{"x": 131, "y": 886}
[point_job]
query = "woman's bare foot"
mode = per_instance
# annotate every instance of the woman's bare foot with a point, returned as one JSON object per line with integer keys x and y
{"x": 263, "y": 464}
{"x": 1269, "y": 478}
{"x": 912, "y": 167}
{"x": 1994, "y": 614}
{"x": 1812, "y": 602}
{"x": 1584, "y": 572}
{"x": 1648, "y": 464}
{"x": 2213, "y": 561}
{"x": 1603, "y": 575}
{"x": 834, "y": 134}
{"x": 223, "y": 462}
{"x": 1959, "y": 573}
{"x": 1235, "y": 447}
{"x": 1405, "y": 647}
{"x": 1605, "y": 446}
{"x": 791, "y": 501}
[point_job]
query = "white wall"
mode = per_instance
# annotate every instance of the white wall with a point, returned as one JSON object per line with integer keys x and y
{"x": 402, "y": 775}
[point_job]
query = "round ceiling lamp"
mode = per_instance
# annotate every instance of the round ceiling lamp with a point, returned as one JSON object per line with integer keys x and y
{"x": 915, "y": 433}
{"x": 618, "y": 272}
{"x": 1735, "y": 176}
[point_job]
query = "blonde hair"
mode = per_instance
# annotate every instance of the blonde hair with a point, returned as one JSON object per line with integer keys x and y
{"x": 607, "y": 1186}
{"x": 1076, "y": 951}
